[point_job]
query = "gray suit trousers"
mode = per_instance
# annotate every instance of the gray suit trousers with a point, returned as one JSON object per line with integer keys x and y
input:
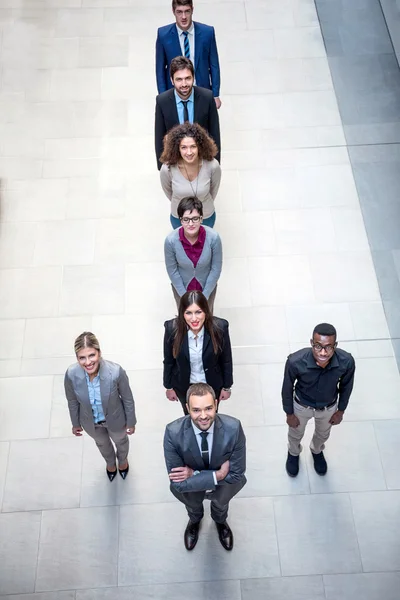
{"x": 220, "y": 498}
{"x": 103, "y": 436}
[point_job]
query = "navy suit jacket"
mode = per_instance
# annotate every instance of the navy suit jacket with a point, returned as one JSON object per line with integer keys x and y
{"x": 205, "y": 55}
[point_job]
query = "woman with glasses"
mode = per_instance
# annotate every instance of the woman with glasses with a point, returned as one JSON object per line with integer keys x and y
{"x": 190, "y": 169}
{"x": 197, "y": 349}
{"x": 193, "y": 254}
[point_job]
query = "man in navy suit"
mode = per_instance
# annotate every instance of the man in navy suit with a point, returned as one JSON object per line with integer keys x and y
{"x": 192, "y": 40}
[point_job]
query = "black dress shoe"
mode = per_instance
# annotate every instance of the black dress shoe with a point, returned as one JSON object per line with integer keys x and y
{"x": 191, "y": 534}
{"x": 111, "y": 474}
{"x": 225, "y": 535}
{"x": 124, "y": 472}
{"x": 320, "y": 463}
{"x": 292, "y": 465}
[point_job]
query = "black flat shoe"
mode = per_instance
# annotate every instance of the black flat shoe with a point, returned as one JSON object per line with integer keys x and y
{"x": 111, "y": 474}
{"x": 225, "y": 535}
{"x": 292, "y": 465}
{"x": 191, "y": 535}
{"x": 124, "y": 472}
{"x": 320, "y": 463}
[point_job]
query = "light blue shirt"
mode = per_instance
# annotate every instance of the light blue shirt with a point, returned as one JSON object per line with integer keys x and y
{"x": 95, "y": 398}
{"x": 190, "y": 107}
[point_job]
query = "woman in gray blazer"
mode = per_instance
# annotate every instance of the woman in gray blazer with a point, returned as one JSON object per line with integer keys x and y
{"x": 100, "y": 402}
{"x": 193, "y": 254}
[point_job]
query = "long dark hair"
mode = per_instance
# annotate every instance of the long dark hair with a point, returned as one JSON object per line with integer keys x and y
{"x": 181, "y": 328}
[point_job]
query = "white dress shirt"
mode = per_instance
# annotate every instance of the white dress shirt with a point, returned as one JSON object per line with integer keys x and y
{"x": 210, "y": 440}
{"x": 197, "y": 374}
{"x": 190, "y": 38}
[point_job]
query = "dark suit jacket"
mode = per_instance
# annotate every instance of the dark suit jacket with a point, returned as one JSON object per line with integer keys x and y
{"x": 217, "y": 367}
{"x": 205, "y": 114}
{"x": 181, "y": 449}
{"x": 206, "y": 57}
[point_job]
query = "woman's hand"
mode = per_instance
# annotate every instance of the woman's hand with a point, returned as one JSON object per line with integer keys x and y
{"x": 172, "y": 397}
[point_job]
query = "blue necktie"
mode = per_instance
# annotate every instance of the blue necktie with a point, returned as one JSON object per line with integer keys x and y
{"x": 186, "y": 44}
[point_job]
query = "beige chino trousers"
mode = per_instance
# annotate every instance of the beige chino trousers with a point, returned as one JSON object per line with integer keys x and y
{"x": 322, "y": 428}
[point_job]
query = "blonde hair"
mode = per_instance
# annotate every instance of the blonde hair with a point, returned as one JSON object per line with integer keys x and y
{"x": 87, "y": 339}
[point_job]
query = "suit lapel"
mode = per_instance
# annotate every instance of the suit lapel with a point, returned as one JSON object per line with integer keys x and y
{"x": 175, "y": 41}
{"x": 105, "y": 384}
{"x": 174, "y": 107}
{"x": 190, "y": 444}
{"x": 198, "y": 41}
{"x": 196, "y": 104}
{"x": 206, "y": 342}
{"x": 218, "y": 442}
{"x": 185, "y": 347}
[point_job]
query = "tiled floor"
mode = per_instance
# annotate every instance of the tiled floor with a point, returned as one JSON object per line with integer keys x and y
{"x": 82, "y": 224}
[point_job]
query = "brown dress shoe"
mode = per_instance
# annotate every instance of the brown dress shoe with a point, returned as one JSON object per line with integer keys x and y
{"x": 225, "y": 535}
{"x": 191, "y": 534}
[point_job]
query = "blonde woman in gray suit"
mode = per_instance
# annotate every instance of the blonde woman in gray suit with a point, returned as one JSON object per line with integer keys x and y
{"x": 100, "y": 402}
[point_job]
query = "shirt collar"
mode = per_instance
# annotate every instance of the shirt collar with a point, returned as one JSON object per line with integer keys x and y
{"x": 179, "y": 99}
{"x": 197, "y": 431}
{"x": 94, "y": 379}
{"x": 200, "y": 335}
{"x": 190, "y": 30}
{"x": 311, "y": 364}
{"x": 201, "y": 237}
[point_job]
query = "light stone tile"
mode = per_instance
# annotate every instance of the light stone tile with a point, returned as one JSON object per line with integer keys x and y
{"x": 387, "y": 436}
{"x": 155, "y": 289}
{"x": 84, "y": 167}
{"x": 96, "y": 197}
{"x": 246, "y": 399}
{"x": 45, "y": 366}
{"x": 299, "y": 42}
{"x": 348, "y": 277}
{"x": 84, "y": 287}
{"x": 370, "y": 586}
{"x": 375, "y": 348}
{"x": 297, "y": 231}
{"x": 268, "y": 189}
{"x": 35, "y": 84}
{"x": 20, "y": 168}
{"x": 40, "y": 284}
{"x": 279, "y": 588}
{"x": 276, "y": 280}
{"x": 301, "y": 320}
{"x": 234, "y": 283}
{"x": 333, "y": 550}
{"x": 35, "y": 200}
{"x": 303, "y": 137}
{"x": 105, "y": 51}
{"x": 369, "y": 320}
{"x": 326, "y": 185}
{"x": 10, "y": 367}
{"x": 224, "y": 590}
{"x": 305, "y": 13}
{"x": 60, "y": 422}
{"x": 75, "y": 84}
{"x": 252, "y": 522}
{"x": 245, "y": 325}
{"x": 243, "y": 46}
{"x": 4, "y": 452}
{"x": 72, "y": 148}
{"x": 242, "y": 236}
{"x": 237, "y": 15}
{"x": 17, "y": 243}
{"x": 229, "y": 197}
{"x": 78, "y": 549}
{"x": 53, "y": 336}
{"x": 269, "y": 15}
{"x": 119, "y": 83}
{"x": 19, "y": 533}
{"x": 349, "y": 229}
{"x": 56, "y": 53}
{"x": 65, "y": 243}
{"x": 376, "y": 517}
{"x": 32, "y": 466}
{"x": 87, "y": 22}
{"x": 18, "y": 144}
{"x": 370, "y": 399}
{"x": 12, "y": 333}
{"x": 265, "y": 111}
{"x": 310, "y": 109}
{"x": 46, "y": 596}
{"x": 259, "y": 355}
{"x": 25, "y": 407}
{"x": 271, "y": 384}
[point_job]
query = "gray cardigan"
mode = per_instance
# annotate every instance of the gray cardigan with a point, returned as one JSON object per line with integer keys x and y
{"x": 180, "y": 268}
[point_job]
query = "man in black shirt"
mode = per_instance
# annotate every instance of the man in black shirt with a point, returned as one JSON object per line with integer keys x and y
{"x": 317, "y": 383}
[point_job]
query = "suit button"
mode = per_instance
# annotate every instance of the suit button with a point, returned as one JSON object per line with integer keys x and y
{"x": 205, "y": 370}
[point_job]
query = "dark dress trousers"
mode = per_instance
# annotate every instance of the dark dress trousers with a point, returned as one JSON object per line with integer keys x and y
{"x": 218, "y": 367}
{"x": 205, "y": 114}
{"x": 181, "y": 449}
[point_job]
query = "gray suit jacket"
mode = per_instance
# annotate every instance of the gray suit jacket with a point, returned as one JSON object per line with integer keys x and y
{"x": 180, "y": 268}
{"x": 181, "y": 449}
{"x": 116, "y": 397}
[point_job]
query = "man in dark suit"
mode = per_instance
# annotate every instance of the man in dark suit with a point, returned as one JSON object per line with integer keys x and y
{"x": 205, "y": 454}
{"x": 185, "y": 102}
{"x": 192, "y": 40}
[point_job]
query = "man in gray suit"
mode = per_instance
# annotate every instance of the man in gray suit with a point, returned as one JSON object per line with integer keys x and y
{"x": 205, "y": 455}
{"x": 100, "y": 401}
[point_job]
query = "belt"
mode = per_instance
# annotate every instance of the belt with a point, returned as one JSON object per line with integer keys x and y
{"x": 99, "y": 422}
{"x": 314, "y": 407}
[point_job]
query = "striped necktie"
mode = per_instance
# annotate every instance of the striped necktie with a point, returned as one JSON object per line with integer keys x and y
{"x": 186, "y": 44}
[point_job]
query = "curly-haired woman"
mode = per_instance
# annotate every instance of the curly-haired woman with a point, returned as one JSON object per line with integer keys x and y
{"x": 190, "y": 169}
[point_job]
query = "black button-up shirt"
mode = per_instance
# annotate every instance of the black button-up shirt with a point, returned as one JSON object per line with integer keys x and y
{"x": 315, "y": 386}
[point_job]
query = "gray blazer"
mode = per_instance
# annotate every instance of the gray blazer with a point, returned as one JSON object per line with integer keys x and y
{"x": 180, "y": 268}
{"x": 116, "y": 397}
{"x": 181, "y": 449}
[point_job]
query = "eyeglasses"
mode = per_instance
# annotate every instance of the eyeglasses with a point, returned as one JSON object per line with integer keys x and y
{"x": 187, "y": 220}
{"x": 328, "y": 349}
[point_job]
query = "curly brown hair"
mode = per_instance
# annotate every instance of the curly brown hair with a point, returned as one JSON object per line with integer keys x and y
{"x": 205, "y": 144}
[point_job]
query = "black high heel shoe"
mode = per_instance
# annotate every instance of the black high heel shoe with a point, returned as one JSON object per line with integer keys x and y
{"x": 124, "y": 472}
{"x": 111, "y": 474}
